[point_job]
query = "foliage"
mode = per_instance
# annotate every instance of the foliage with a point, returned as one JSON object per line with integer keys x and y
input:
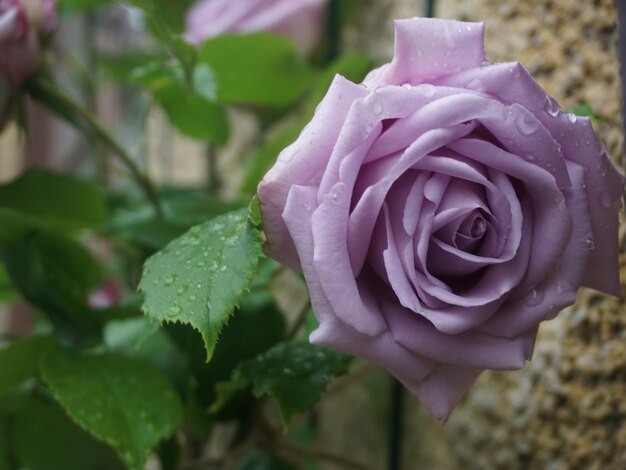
{"x": 153, "y": 311}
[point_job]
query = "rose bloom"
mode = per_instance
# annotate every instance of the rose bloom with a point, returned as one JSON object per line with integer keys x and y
{"x": 300, "y": 20}
{"x": 441, "y": 210}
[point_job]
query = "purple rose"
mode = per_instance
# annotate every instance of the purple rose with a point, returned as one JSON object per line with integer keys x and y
{"x": 300, "y": 20}
{"x": 442, "y": 210}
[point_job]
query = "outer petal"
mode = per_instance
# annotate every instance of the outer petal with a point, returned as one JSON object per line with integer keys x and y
{"x": 426, "y": 48}
{"x": 301, "y": 163}
{"x": 443, "y": 388}
{"x": 511, "y": 83}
{"x": 332, "y": 332}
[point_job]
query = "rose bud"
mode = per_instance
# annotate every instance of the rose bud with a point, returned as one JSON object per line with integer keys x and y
{"x": 22, "y": 22}
{"x": 300, "y": 20}
{"x": 441, "y": 211}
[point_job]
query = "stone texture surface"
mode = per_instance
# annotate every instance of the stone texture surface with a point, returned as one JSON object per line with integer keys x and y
{"x": 567, "y": 408}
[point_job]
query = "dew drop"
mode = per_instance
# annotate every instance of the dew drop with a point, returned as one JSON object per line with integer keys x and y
{"x": 527, "y": 125}
{"x": 590, "y": 244}
{"x": 182, "y": 289}
{"x": 605, "y": 199}
{"x": 468, "y": 28}
{"x": 223, "y": 269}
{"x": 427, "y": 89}
{"x": 571, "y": 117}
{"x": 530, "y": 157}
{"x": 560, "y": 288}
{"x": 170, "y": 280}
{"x": 173, "y": 311}
{"x": 475, "y": 84}
{"x": 599, "y": 146}
{"x": 534, "y": 296}
{"x": 193, "y": 298}
{"x": 307, "y": 206}
{"x": 551, "y": 107}
{"x": 377, "y": 108}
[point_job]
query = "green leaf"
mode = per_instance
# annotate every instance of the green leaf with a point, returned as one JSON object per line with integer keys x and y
{"x": 81, "y": 5}
{"x": 354, "y": 67}
{"x": 55, "y": 199}
{"x": 54, "y": 273}
{"x": 156, "y": 17}
{"x": 256, "y": 327}
{"x": 199, "y": 278}
{"x": 121, "y": 67}
{"x": 583, "y": 109}
{"x": 182, "y": 209}
{"x": 120, "y": 401}
{"x": 256, "y": 68}
{"x": 261, "y": 460}
{"x": 194, "y": 115}
{"x": 294, "y": 373}
{"x": 19, "y": 361}
{"x": 46, "y": 439}
{"x": 7, "y": 291}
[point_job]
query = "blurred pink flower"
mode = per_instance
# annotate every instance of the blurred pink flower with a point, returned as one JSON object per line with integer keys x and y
{"x": 21, "y": 24}
{"x": 300, "y": 20}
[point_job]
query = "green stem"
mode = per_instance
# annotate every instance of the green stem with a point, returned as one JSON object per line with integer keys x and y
{"x": 430, "y": 9}
{"x": 395, "y": 426}
{"x": 299, "y": 321}
{"x": 55, "y": 99}
{"x": 213, "y": 177}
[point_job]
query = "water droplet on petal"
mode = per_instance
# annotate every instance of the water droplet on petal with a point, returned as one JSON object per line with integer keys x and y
{"x": 534, "y": 296}
{"x": 406, "y": 86}
{"x": 530, "y": 157}
{"x": 590, "y": 243}
{"x": 377, "y": 107}
{"x": 571, "y": 117}
{"x": 476, "y": 84}
{"x": 551, "y": 107}
{"x": 307, "y": 206}
{"x": 427, "y": 89}
{"x": 605, "y": 199}
{"x": 599, "y": 146}
{"x": 527, "y": 125}
{"x": 560, "y": 288}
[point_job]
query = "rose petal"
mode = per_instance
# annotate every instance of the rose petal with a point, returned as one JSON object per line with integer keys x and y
{"x": 427, "y": 48}
{"x": 444, "y": 387}
{"x": 579, "y": 144}
{"x": 559, "y": 290}
{"x": 300, "y": 163}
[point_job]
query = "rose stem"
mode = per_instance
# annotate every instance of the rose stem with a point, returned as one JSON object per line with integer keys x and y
{"x": 395, "y": 425}
{"x": 55, "y": 99}
{"x": 430, "y": 9}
